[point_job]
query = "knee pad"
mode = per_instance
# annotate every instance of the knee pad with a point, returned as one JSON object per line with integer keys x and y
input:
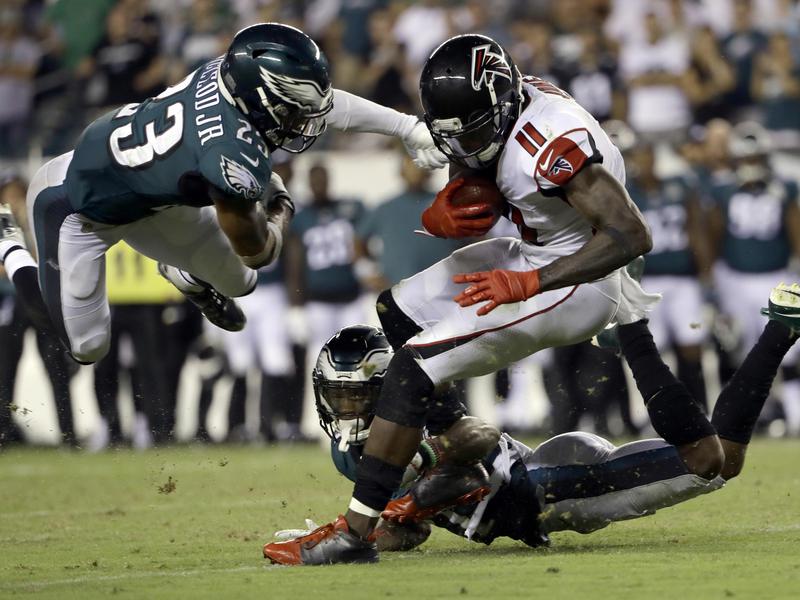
{"x": 398, "y": 326}
{"x": 407, "y": 391}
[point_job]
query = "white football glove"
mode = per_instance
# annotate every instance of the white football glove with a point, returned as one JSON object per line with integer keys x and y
{"x": 419, "y": 145}
{"x": 290, "y": 534}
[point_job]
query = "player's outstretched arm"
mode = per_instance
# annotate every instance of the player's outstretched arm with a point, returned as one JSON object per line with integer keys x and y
{"x": 354, "y": 113}
{"x": 256, "y": 231}
{"x": 621, "y": 231}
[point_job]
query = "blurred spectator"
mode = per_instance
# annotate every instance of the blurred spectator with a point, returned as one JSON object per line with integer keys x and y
{"x": 420, "y": 28}
{"x": 655, "y": 71}
{"x": 709, "y": 77}
{"x": 741, "y": 47}
{"x": 206, "y": 35}
{"x": 14, "y": 324}
{"x": 385, "y": 77}
{"x": 320, "y": 261}
{"x": 680, "y": 254}
{"x": 137, "y": 295}
{"x": 776, "y": 87}
{"x": 387, "y": 247}
{"x": 79, "y": 27}
{"x": 531, "y": 48}
{"x": 756, "y": 227}
{"x": 125, "y": 65}
{"x": 19, "y": 59}
{"x": 592, "y": 79}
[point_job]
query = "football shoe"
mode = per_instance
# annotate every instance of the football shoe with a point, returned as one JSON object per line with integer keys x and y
{"x": 220, "y": 310}
{"x": 784, "y": 306}
{"x": 330, "y": 544}
{"x": 445, "y": 486}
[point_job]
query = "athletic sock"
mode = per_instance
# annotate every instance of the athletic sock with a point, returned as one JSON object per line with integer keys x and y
{"x": 675, "y": 415}
{"x": 741, "y": 401}
{"x": 183, "y": 280}
{"x": 22, "y": 271}
{"x": 376, "y": 481}
{"x": 691, "y": 374}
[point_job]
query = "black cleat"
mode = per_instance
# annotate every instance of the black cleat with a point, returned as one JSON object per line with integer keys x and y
{"x": 220, "y": 310}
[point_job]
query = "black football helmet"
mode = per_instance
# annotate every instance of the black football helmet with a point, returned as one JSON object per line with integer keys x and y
{"x": 280, "y": 79}
{"x": 347, "y": 381}
{"x": 471, "y": 93}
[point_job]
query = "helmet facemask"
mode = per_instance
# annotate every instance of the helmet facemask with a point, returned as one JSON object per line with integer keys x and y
{"x": 346, "y": 409}
{"x": 286, "y": 126}
{"x": 347, "y": 379}
{"x": 476, "y": 144}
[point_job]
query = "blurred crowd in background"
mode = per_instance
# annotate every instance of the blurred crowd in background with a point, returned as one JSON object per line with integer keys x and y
{"x": 709, "y": 88}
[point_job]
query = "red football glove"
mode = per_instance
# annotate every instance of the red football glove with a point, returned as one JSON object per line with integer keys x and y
{"x": 444, "y": 220}
{"x": 498, "y": 287}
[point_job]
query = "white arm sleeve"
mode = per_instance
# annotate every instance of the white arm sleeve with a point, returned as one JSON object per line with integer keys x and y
{"x": 354, "y": 113}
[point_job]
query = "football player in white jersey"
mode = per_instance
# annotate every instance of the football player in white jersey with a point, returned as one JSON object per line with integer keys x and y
{"x": 575, "y": 481}
{"x": 560, "y": 283}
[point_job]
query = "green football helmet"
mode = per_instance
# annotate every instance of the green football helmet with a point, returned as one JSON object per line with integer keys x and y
{"x": 280, "y": 79}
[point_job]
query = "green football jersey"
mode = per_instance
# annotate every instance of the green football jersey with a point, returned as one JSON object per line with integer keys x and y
{"x": 755, "y": 238}
{"x": 328, "y": 236}
{"x": 167, "y": 151}
{"x": 665, "y": 213}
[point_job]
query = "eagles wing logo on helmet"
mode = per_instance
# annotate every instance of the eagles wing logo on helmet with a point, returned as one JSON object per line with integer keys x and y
{"x": 300, "y": 92}
{"x": 240, "y": 179}
{"x": 486, "y": 63}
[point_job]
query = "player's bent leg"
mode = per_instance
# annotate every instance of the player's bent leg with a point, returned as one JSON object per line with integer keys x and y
{"x": 196, "y": 257}
{"x": 71, "y": 253}
{"x": 740, "y": 402}
{"x": 622, "y": 483}
{"x": 397, "y": 326}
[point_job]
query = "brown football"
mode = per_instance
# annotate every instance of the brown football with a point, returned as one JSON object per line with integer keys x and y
{"x": 476, "y": 190}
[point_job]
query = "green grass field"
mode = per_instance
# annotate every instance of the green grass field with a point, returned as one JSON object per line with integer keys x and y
{"x": 85, "y": 526}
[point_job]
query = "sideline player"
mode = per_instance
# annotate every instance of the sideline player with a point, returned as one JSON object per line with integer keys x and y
{"x": 575, "y": 481}
{"x": 150, "y": 173}
{"x": 558, "y": 284}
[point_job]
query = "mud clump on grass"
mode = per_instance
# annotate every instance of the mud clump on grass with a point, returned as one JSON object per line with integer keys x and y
{"x": 168, "y": 487}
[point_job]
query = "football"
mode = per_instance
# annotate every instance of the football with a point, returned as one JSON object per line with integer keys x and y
{"x": 476, "y": 190}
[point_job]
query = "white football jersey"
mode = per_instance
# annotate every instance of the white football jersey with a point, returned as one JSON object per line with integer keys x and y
{"x": 553, "y": 139}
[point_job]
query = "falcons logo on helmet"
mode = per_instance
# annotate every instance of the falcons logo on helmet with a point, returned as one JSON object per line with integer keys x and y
{"x": 300, "y": 92}
{"x": 486, "y": 65}
{"x": 240, "y": 179}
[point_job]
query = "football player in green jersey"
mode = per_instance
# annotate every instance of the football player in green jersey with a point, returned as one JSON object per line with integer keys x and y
{"x": 755, "y": 224}
{"x": 185, "y": 178}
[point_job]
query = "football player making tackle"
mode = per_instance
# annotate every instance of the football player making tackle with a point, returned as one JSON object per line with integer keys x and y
{"x": 559, "y": 283}
{"x": 575, "y": 481}
{"x": 185, "y": 179}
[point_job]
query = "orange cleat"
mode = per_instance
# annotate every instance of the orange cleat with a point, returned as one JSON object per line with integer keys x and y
{"x": 440, "y": 488}
{"x": 329, "y": 544}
